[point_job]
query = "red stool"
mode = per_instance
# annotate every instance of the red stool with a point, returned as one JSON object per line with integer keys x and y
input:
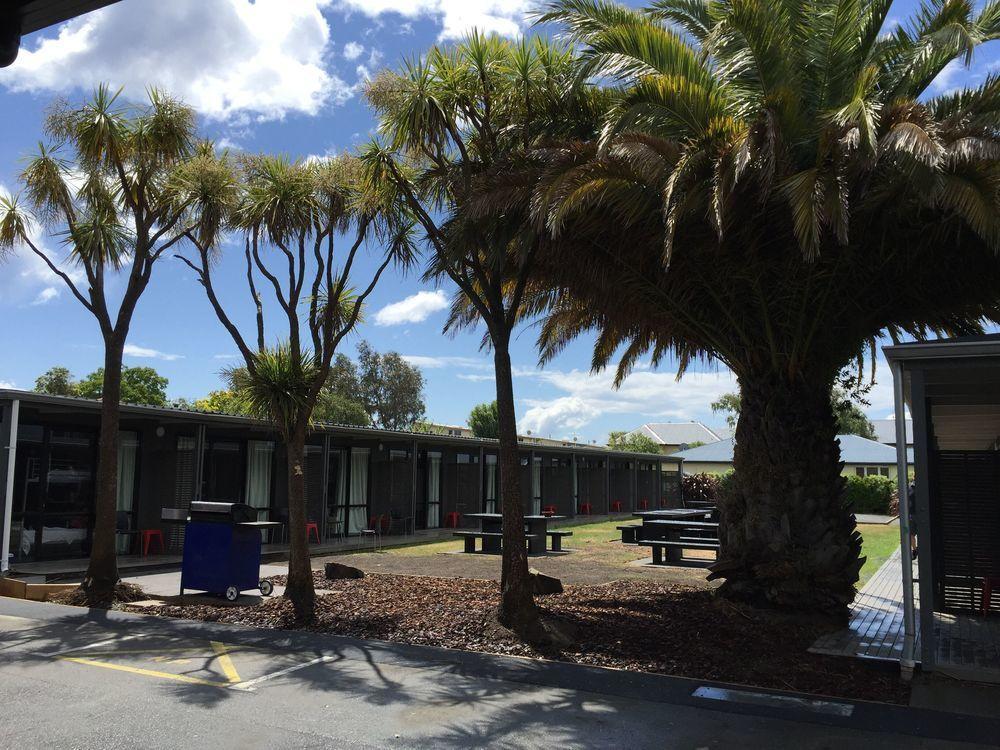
{"x": 451, "y": 521}
{"x": 148, "y": 535}
{"x": 549, "y": 510}
{"x": 644, "y": 505}
{"x": 585, "y": 509}
{"x": 988, "y": 583}
{"x": 616, "y": 506}
{"x": 312, "y": 528}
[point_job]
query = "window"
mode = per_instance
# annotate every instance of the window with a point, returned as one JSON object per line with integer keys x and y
{"x": 433, "y": 489}
{"x": 490, "y": 477}
{"x": 536, "y": 486}
{"x": 466, "y": 458}
{"x": 399, "y": 455}
{"x": 871, "y": 471}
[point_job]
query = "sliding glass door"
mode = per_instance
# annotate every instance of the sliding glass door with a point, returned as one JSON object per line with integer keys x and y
{"x": 536, "y": 485}
{"x": 433, "y": 489}
{"x": 357, "y": 511}
{"x": 490, "y": 490}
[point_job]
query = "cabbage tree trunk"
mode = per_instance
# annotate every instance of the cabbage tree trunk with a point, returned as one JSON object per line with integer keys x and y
{"x": 788, "y": 541}
{"x": 299, "y": 587}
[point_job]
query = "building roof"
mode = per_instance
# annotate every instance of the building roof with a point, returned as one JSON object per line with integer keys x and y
{"x": 885, "y": 431}
{"x": 853, "y": 450}
{"x": 170, "y": 412}
{"x": 678, "y": 433}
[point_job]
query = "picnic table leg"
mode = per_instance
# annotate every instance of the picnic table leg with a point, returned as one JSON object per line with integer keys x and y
{"x": 657, "y": 556}
{"x": 557, "y": 544}
{"x": 470, "y": 544}
{"x": 491, "y": 544}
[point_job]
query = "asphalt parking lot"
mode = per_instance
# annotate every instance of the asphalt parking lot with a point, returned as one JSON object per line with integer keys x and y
{"x": 72, "y": 677}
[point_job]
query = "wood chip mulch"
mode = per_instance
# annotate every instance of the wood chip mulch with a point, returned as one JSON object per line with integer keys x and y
{"x": 639, "y": 625}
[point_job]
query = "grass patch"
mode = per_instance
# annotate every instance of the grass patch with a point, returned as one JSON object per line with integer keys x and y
{"x": 593, "y": 543}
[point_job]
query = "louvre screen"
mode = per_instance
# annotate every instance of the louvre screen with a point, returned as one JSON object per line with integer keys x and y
{"x": 965, "y": 512}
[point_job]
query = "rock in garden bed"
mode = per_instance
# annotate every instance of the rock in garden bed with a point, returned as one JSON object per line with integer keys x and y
{"x": 629, "y": 624}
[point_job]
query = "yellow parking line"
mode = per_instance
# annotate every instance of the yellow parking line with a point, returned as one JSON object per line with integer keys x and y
{"x": 222, "y": 651}
{"x": 145, "y": 672}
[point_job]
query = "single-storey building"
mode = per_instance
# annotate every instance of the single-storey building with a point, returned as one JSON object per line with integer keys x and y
{"x": 861, "y": 457}
{"x": 355, "y": 476}
{"x": 677, "y": 436}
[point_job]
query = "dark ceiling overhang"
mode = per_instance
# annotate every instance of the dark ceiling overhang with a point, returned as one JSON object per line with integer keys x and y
{"x": 21, "y": 17}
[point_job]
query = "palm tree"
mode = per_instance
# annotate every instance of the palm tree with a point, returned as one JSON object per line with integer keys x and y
{"x": 774, "y": 188}
{"x": 99, "y": 188}
{"x": 295, "y": 214}
{"x": 462, "y": 116}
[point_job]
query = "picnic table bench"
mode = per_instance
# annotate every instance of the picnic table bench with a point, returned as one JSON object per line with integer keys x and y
{"x": 536, "y": 533}
{"x": 490, "y": 538}
{"x": 668, "y": 533}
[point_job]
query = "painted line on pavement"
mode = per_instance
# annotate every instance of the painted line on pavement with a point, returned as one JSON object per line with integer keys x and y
{"x": 143, "y": 672}
{"x": 249, "y": 685}
{"x": 222, "y": 651}
{"x": 831, "y": 708}
{"x": 98, "y": 644}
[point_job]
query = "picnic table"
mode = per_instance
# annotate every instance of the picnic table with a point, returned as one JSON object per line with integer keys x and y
{"x": 491, "y": 532}
{"x": 669, "y": 532}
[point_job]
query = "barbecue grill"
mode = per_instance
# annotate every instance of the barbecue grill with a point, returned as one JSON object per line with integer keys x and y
{"x": 221, "y": 548}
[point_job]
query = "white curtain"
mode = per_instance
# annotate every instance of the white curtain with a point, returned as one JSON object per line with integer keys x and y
{"x": 260, "y": 455}
{"x": 536, "y": 486}
{"x": 491, "y": 485}
{"x": 433, "y": 490}
{"x": 338, "y": 494}
{"x": 128, "y": 449}
{"x": 356, "y": 517}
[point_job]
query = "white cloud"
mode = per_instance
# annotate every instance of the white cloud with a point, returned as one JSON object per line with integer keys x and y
{"x": 7, "y": 384}
{"x": 420, "y": 360}
{"x": 141, "y": 352}
{"x": 226, "y": 58}
{"x": 457, "y": 17}
{"x": 946, "y": 82}
{"x": 414, "y": 309}
{"x": 353, "y": 50}
{"x": 48, "y": 294}
{"x": 225, "y": 356}
{"x": 649, "y": 394}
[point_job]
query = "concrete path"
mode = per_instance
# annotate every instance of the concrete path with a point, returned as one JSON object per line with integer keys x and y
{"x": 72, "y": 677}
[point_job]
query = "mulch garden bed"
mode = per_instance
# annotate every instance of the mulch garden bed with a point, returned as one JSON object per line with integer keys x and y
{"x": 648, "y": 626}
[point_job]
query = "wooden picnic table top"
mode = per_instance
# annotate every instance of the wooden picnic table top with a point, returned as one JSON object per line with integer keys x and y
{"x": 496, "y": 516}
{"x": 673, "y": 513}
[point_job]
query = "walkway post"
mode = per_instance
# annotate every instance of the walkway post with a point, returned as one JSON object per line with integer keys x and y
{"x": 8, "y": 505}
{"x": 902, "y": 482}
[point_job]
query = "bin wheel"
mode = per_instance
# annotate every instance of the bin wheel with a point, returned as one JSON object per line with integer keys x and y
{"x": 266, "y": 588}
{"x": 232, "y": 594}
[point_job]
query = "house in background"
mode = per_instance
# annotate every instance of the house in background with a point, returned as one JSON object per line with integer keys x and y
{"x": 885, "y": 431}
{"x": 677, "y": 436}
{"x": 861, "y": 457}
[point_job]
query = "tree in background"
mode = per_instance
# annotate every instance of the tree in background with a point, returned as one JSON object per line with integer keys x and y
{"x": 453, "y": 120}
{"x": 390, "y": 388}
{"x": 220, "y": 402}
{"x": 56, "y": 381}
{"x": 776, "y": 186}
{"x": 139, "y": 385}
{"x": 98, "y": 186}
{"x": 632, "y": 442}
{"x": 484, "y": 420}
{"x": 850, "y": 419}
{"x": 293, "y": 217}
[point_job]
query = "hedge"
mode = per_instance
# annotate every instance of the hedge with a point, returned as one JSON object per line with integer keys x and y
{"x": 873, "y": 494}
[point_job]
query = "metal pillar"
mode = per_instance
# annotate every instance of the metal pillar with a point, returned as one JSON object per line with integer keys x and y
{"x": 324, "y": 492}
{"x": 199, "y": 463}
{"x": 8, "y": 507}
{"x": 906, "y": 662}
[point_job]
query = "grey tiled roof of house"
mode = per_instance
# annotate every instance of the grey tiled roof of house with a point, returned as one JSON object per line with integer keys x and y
{"x": 885, "y": 431}
{"x": 853, "y": 450}
{"x": 678, "y": 433}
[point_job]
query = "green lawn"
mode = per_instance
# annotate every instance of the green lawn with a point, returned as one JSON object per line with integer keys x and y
{"x": 591, "y": 542}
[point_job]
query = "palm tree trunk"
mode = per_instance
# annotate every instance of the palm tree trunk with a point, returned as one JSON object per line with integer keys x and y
{"x": 787, "y": 538}
{"x": 299, "y": 588}
{"x": 102, "y": 569}
{"x": 517, "y": 605}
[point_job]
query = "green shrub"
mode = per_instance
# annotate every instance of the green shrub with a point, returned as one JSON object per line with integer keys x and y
{"x": 871, "y": 495}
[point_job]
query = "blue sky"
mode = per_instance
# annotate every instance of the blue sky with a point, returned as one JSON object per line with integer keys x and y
{"x": 283, "y": 76}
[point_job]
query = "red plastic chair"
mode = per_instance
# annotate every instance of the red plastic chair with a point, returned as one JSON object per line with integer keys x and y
{"x": 988, "y": 583}
{"x": 616, "y": 506}
{"x": 451, "y": 520}
{"x": 312, "y": 528}
{"x": 585, "y": 509}
{"x": 644, "y": 505}
{"x": 148, "y": 535}
{"x": 549, "y": 510}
